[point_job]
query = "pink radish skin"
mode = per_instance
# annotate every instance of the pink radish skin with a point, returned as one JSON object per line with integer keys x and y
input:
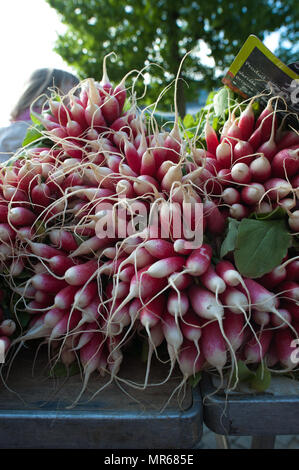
{"x": 229, "y": 274}
{"x": 205, "y": 304}
{"x": 277, "y": 188}
{"x": 293, "y": 221}
{"x": 6, "y": 233}
{"x": 240, "y": 173}
{"x": 43, "y": 297}
{"x": 110, "y": 109}
{"x": 85, "y": 295}
{"x": 275, "y": 277}
{"x": 252, "y": 194}
{"x": 53, "y": 316}
{"x": 189, "y": 360}
{"x": 261, "y": 318}
{"x": 65, "y": 297}
{"x": 285, "y": 163}
{"x": 63, "y": 240}
{"x": 243, "y": 152}
{"x": 293, "y": 270}
{"x": 288, "y": 139}
{"x": 177, "y": 303}
{"x": 59, "y": 264}
{"x": 271, "y": 358}
{"x": 132, "y": 157}
{"x": 233, "y": 326}
{"x": 41, "y": 196}
{"x": 85, "y": 336}
{"x": 211, "y": 138}
{"x": 283, "y": 320}
{"x": 255, "y": 351}
{"x": 200, "y": 259}
{"x": 47, "y": 283}
{"x": 3, "y": 213}
{"x": 120, "y": 94}
{"x": 238, "y": 211}
{"x": 144, "y": 285}
{"x": 212, "y": 281}
{"x": 255, "y": 138}
{"x": 213, "y": 346}
{"x": 67, "y": 323}
{"x": 126, "y": 273}
{"x": 90, "y": 355}
{"x": 266, "y": 121}
{"x": 287, "y": 203}
{"x": 180, "y": 280}
{"x": 234, "y": 300}
{"x": 20, "y": 216}
{"x": 42, "y": 250}
{"x": 91, "y": 245}
{"x": 180, "y": 247}
{"x": 134, "y": 309}
{"x": 191, "y": 326}
{"x": 81, "y": 273}
{"x": 164, "y": 267}
{"x": 260, "y": 169}
{"x": 231, "y": 196}
{"x": 289, "y": 290}
{"x": 172, "y": 332}
{"x": 150, "y": 315}
{"x": 148, "y": 164}
{"x": 261, "y": 299}
{"x": 120, "y": 290}
{"x": 246, "y": 122}
{"x": 224, "y": 154}
{"x": 283, "y": 342}
{"x": 7, "y": 327}
{"x": 292, "y": 308}
{"x": 268, "y": 149}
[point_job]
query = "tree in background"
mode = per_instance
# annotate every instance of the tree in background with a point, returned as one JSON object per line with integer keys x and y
{"x": 142, "y": 32}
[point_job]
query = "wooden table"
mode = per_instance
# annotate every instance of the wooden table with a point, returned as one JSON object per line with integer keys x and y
{"x": 260, "y": 415}
{"x": 34, "y": 413}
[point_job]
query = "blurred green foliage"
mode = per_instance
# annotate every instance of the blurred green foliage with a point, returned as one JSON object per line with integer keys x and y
{"x": 160, "y": 33}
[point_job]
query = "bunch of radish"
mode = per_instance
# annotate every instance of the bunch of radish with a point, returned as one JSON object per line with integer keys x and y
{"x": 7, "y": 329}
{"x": 89, "y": 292}
{"x": 252, "y": 165}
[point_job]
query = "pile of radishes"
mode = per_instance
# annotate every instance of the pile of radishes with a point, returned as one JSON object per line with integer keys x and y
{"x": 88, "y": 295}
{"x": 253, "y": 164}
{"x": 7, "y": 329}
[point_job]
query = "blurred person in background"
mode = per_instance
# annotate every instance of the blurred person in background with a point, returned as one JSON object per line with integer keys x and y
{"x": 37, "y": 90}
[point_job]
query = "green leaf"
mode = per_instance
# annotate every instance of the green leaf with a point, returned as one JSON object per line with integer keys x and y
{"x": 32, "y": 134}
{"x": 195, "y": 379}
{"x": 262, "y": 379}
{"x": 229, "y": 242}
{"x": 244, "y": 374}
{"x": 278, "y": 213}
{"x": 61, "y": 370}
{"x": 35, "y": 119}
{"x": 23, "y": 319}
{"x": 188, "y": 121}
{"x": 260, "y": 246}
{"x": 221, "y": 101}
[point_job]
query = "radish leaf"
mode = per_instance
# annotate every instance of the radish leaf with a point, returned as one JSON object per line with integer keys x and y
{"x": 262, "y": 379}
{"x": 229, "y": 242}
{"x": 260, "y": 246}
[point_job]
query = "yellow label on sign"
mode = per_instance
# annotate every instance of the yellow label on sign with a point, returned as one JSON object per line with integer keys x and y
{"x": 256, "y": 70}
